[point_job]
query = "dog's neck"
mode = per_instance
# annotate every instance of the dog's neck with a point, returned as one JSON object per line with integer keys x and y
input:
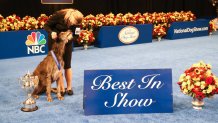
{"x": 58, "y": 49}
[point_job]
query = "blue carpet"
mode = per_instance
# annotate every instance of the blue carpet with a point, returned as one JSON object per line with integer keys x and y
{"x": 176, "y": 54}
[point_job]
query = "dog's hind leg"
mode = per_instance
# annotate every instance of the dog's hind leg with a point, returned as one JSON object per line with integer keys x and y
{"x": 59, "y": 80}
{"x": 54, "y": 90}
{"x": 38, "y": 90}
{"x": 34, "y": 94}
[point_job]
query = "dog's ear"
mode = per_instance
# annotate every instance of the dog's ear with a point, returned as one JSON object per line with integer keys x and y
{"x": 70, "y": 37}
{"x": 65, "y": 36}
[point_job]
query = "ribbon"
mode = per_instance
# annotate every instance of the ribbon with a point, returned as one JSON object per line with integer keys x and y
{"x": 56, "y": 60}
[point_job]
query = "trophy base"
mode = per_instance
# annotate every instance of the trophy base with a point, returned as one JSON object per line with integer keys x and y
{"x": 29, "y": 109}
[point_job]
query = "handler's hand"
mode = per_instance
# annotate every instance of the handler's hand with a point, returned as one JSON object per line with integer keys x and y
{"x": 54, "y": 35}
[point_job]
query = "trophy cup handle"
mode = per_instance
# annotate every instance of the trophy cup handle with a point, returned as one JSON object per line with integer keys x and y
{"x": 36, "y": 81}
{"x": 20, "y": 81}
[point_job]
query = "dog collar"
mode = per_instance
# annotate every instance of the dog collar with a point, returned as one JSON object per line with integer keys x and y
{"x": 56, "y": 60}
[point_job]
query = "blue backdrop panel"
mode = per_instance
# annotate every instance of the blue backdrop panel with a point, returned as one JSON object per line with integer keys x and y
{"x": 13, "y": 44}
{"x": 188, "y": 29}
{"x": 128, "y": 91}
{"x": 108, "y": 35}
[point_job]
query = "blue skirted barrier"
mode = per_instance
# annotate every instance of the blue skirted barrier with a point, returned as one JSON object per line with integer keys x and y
{"x": 33, "y": 42}
{"x": 110, "y": 36}
{"x": 23, "y": 43}
{"x": 188, "y": 29}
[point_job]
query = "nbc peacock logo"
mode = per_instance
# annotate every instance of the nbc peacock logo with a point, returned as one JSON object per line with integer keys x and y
{"x": 35, "y": 43}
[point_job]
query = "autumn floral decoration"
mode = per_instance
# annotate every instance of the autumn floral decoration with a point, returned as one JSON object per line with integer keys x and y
{"x": 198, "y": 81}
{"x": 159, "y": 31}
{"x": 85, "y": 38}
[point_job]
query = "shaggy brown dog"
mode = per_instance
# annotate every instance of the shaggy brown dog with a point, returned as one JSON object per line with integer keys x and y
{"x": 61, "y": 21}
{"x": 48, "y": 71}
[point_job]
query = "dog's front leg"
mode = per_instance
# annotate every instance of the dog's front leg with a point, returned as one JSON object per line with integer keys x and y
{"x": 59, "y": 80}
{"x": 48, "y": 91}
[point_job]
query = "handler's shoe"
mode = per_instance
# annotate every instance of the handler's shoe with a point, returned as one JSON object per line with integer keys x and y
{"x": 69, "y": 92}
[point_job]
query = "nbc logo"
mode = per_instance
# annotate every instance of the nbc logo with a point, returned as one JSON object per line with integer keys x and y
{"x": 35, "y": 43}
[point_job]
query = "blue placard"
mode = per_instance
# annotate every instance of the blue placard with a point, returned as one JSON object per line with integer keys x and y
{"x": 188, "y": 29}
{"x": 110, "y": 36}
{"x": 23, "y": 43}
{"x": 128, "y": 91}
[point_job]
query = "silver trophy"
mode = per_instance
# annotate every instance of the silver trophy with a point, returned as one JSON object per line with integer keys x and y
{"x": 28, "y": 82}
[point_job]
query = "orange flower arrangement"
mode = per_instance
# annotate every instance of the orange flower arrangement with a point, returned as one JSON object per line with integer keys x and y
{"x": 91, "y": 22}
{"x": 85, "y": 37}
{"x": 198, "y": 81}
{"x": 159, "y": 31}
{"x": 14, "y": 22}
{"x": 42, "y": 19}
{"x": 30, "y": 23}
{"x": 212, "y": 26}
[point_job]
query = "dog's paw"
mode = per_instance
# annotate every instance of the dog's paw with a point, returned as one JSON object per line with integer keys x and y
{"x": 36, "y": 96}
{"x": 60, "y": 98}
{"x": 49, "y": 99}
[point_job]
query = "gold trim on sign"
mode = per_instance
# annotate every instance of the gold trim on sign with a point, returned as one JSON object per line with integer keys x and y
{"x": 56, "y": 3}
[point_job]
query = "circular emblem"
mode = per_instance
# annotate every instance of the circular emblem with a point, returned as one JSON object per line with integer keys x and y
{"x": 128, "y": 34}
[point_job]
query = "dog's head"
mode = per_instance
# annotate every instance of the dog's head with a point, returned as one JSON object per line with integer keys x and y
{"x": 65, "y": 36}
